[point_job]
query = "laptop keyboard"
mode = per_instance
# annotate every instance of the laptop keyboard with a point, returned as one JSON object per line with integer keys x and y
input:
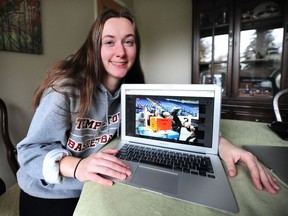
{"x": 184, "y": 162}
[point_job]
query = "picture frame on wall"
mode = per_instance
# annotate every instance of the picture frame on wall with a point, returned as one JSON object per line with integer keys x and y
{"x": 20, "y": 26}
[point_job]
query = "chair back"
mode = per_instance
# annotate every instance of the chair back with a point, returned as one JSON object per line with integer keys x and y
{"x": 276, "y": 104}
{"x": 10, "y": 148}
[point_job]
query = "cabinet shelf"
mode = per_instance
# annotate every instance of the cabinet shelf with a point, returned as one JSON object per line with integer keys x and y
{"x": 214, "y": 26}
{"x": 259, "y": 61}
{"x": 263, "y": 23}
{"x": 263, "y": 61}
{"x": 214, "y": 30}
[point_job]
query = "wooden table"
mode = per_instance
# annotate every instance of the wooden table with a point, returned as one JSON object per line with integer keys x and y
{"x": 124, "y": 200}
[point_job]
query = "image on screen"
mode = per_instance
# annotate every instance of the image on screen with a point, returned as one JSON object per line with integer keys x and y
{"x": 167, "y": 118}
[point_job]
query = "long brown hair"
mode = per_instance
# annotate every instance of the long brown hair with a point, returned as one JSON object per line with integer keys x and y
{"x": 84, "y": 69}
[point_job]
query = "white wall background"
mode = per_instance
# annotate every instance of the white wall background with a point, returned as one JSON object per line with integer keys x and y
{"x": 165, "y": 29}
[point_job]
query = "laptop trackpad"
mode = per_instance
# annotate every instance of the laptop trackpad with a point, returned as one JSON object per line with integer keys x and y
{"x": 156, "y": 179}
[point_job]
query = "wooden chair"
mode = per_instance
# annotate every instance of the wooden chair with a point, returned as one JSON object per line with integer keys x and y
{"x": 9, "y": 199}
{"x": 276, "y": 103}
{"x": 2, "y": 187}
{"x": 10, "y": 148}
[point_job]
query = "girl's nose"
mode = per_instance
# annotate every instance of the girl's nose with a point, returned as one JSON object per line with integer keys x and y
{"x": 120, "y": 50}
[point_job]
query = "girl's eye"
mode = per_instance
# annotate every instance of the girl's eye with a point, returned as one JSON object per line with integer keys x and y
{"x": 108, "y": 43}
{"x": 129, "y": 42}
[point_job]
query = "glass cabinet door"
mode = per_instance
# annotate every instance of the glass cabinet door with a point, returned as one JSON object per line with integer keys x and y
{"x": 214, "y": 42}
{"x": 260, "y": 48}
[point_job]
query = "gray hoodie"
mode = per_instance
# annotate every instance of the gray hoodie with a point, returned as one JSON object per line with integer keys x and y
{"x": 55, "y": 132}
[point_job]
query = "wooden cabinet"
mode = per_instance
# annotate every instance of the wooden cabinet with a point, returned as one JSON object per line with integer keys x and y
{"x": 242, "y": 45}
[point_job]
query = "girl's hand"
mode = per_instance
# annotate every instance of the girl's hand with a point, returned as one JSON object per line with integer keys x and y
{"x": 260, "y": 175}
{"x": 101, "y": 164}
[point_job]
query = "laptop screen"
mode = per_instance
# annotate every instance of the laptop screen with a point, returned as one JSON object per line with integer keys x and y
{"x": 180, "y": 117}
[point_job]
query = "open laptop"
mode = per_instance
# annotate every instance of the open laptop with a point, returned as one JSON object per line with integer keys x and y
{"x": 273, "y": 157}
{"x": 181, "y": 121}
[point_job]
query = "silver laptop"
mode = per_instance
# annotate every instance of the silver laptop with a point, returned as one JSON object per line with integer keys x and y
{"x": 170, "y": 137}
